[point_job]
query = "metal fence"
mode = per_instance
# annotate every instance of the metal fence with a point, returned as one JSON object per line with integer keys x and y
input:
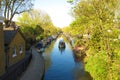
{"x": 13, "y": 72}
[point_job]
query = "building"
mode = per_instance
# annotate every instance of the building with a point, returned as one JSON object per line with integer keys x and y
{"x": 2, "y": 53}
{"x": 14, "y": 46}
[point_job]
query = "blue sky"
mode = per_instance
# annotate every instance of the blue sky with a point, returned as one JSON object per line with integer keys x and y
{"x": 58, "y": 10}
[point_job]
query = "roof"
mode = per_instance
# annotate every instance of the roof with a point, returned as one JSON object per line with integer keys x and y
{"x": 9, "y": 35}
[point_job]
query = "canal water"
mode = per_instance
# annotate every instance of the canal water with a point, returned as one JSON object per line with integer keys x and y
{"x": 61, "y": 64}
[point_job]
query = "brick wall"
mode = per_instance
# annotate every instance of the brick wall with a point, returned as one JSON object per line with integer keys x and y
{"x": 16, "y": 42}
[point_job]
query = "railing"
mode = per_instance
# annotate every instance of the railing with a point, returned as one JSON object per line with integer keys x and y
{"x": 14, "y": 72}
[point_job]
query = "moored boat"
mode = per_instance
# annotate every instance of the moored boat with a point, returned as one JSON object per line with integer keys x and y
{"x": 61, "y": 44}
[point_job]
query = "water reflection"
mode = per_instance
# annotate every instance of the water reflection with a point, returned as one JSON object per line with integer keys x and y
{"x": 61, "y": 50}
{"x": 47, "y": 54}
{"x": 79, "y": 72}
{"x": 62, "y": 65}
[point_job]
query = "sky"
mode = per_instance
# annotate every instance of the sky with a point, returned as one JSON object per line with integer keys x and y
{"x": 58, "y": 10}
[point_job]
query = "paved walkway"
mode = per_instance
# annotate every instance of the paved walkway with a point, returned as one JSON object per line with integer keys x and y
{"x": 35, "y": 69}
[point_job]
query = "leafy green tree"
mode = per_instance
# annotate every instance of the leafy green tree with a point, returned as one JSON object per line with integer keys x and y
{"x": 36, "y": 25}
{"x": 100, "y": 19}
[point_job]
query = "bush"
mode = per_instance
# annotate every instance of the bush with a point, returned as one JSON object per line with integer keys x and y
{"x": 97, "y": 66}
{"x": 102, "y": 68}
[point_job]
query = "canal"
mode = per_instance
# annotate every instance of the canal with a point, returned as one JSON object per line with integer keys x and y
{"x": 61, "y": 64}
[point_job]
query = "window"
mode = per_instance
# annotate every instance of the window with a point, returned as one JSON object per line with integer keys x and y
{"x": 14, "y": 52}
{"x": 21, "y": 49}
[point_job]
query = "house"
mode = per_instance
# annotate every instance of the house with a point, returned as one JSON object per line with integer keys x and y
{"x": 14, "y": 46}
{"x": 12, "y": 50}
{"x": 2, "y": 53}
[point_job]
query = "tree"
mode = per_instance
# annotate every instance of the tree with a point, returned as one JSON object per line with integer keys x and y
{"x": 12, "y": 7}
{"x": 100, "y": 19}
{"x": 35, "y": 25}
